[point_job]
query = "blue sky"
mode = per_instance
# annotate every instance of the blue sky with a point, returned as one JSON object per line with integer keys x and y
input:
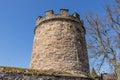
{"x": 17, "y": 23}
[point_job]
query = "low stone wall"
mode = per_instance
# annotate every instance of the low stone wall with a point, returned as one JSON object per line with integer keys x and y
{"x": 10, "y": 73}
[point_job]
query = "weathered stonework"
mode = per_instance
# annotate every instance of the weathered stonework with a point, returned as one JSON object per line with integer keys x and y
{"x": 11, "y": 73}
{"x": 59, "y": 44}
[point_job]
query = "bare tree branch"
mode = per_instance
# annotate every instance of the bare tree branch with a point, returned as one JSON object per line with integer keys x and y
{"x": 104, "y": 37}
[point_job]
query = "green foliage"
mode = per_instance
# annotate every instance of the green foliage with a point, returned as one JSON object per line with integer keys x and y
{"x": 93, "y": 73}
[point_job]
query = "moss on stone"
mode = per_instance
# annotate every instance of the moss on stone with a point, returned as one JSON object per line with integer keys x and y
{"x": 33, "y": 71}
{"x": 19, "y": 70}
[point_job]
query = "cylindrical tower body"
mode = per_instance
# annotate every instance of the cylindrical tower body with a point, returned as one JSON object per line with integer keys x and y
{"x": 59, "y": 44}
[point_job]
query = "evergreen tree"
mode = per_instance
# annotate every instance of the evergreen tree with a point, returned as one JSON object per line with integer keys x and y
{"x": 93, "y": 73}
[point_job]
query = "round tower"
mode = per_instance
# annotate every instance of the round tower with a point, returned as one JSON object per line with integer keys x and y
{"x": 59, "y": 44}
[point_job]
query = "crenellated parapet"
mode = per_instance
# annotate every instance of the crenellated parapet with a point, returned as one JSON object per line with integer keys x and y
{"x": 64, "y": 14}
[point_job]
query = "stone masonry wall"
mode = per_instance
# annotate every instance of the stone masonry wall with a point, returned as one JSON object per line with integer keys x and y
{"x": 57, "y": 46}
{"x": 8, "y": 73}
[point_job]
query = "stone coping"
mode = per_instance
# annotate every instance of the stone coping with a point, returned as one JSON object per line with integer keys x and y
{"x": 26, "y": 71}
{"x": 33, "y": 71}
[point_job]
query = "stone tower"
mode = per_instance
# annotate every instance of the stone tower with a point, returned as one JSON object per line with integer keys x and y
{"x": 59, "y": 44}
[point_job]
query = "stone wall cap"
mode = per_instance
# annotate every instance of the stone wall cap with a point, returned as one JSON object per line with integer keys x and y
{"x": 36, "y": 72}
